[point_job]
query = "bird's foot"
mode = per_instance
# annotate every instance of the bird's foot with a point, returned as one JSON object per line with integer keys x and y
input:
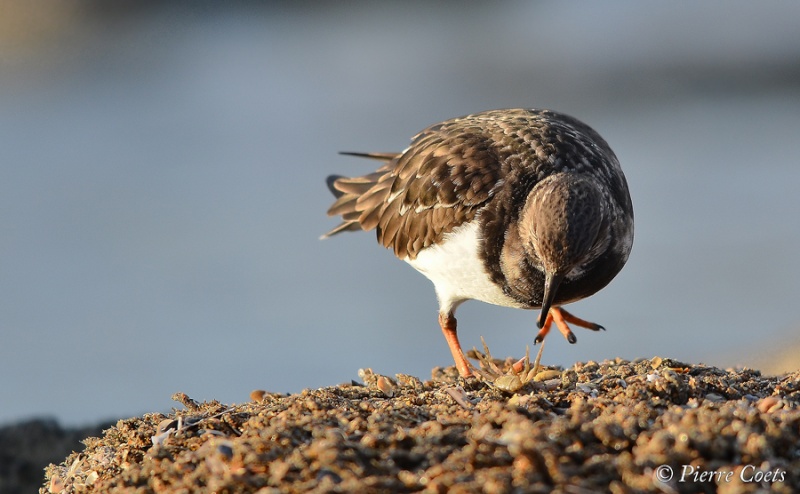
{"x": 561, "y": 317}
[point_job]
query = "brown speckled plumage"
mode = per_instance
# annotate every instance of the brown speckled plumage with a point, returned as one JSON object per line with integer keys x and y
{"x": 554, "y": 216}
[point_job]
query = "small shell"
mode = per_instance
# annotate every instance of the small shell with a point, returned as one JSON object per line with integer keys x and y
{"x": 386, "y": 386}
{"x": 56, "y": 484}
{"x": 546, "y": 375}
{"x": 257, "y": 395}
{"x": 460, "y": 396}
{"x": 167, "y": 425}
{"x": 92, "y": 478}
{"x": 166, "y": 428}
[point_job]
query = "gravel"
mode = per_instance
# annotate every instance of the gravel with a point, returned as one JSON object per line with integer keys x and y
{"x": 649, "y": 425}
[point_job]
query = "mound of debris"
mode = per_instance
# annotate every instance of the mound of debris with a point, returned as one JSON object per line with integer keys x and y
{"x": 618, "y": 426}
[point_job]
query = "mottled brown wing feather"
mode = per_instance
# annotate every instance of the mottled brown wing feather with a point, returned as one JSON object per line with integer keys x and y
{"x": 442, "y": 179}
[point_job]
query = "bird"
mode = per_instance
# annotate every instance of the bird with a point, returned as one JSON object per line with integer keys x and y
{"x": 521, "y": 208}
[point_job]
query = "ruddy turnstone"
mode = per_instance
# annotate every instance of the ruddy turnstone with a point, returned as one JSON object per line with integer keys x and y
{"x": 518, "y": 208}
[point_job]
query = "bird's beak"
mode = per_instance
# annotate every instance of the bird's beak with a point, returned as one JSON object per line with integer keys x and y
{"x": 551, "y": 282}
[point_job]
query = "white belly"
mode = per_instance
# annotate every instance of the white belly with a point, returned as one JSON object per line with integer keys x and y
{"x": 457, "y": 273}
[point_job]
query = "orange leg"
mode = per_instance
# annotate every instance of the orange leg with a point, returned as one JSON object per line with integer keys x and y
{"x": 448, "y": 324}
{"x": 561, "y": 317}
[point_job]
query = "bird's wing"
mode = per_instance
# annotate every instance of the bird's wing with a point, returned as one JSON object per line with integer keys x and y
{"x": 449, "y": 171}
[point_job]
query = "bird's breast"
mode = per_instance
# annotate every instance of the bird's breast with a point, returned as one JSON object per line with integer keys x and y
{"x": 458, "y": 272}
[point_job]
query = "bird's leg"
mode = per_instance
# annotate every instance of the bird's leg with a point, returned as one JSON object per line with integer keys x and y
{"x": 561, "y": 317}
{"x": 548, "y": 322}
{"x": 448, "y": 324}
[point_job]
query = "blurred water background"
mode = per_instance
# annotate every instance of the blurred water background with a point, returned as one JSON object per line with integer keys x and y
{"x": 162, "y": 190}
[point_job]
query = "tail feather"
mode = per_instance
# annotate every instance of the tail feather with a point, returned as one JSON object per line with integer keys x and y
{"x": 343, "y": 227}
{"x": 357, "y": 185}
{"x": 349, "y": 190}
{"x": 372, "y": 156}
{"x": 330, "y": 182}
{"x": 345, "y": 204}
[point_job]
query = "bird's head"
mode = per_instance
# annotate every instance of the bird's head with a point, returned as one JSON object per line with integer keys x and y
{"x": 561, "y": 222}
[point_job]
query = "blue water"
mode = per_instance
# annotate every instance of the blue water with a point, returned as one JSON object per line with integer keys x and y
{"x": 162, "y": 190}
